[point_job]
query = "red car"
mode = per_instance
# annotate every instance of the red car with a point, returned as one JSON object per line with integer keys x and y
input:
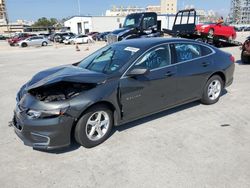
{"x": 217, "y": 29}
{"x": 21, "y": 36}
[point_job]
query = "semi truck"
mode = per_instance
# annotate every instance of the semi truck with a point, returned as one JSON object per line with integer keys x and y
{"x": 137, "y": 25}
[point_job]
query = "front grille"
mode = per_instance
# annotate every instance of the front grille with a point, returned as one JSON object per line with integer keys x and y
{"x": 112, "y": 38}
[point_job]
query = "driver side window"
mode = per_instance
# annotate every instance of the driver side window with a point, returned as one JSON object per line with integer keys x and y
{"x": 156, "y": 58}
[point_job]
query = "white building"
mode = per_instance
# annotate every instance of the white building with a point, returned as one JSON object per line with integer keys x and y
{"x": 86, "y": 24}
{"x": 168, "y": 6}
{"x": 154, "y": 8}
{"x": 123, "y": 11}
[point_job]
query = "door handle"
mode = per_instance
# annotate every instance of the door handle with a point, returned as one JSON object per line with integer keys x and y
{"x": 205, "y": 64}
{"x": 169, "y": 74}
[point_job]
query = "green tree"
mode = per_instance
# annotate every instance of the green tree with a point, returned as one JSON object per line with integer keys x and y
{"x": 45, "y": 22}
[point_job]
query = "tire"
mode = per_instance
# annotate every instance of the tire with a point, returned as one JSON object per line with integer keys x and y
{"x": 211, "y": 32}
{"x": 87, "y": 131}
{"x": 212, "y": 90}
{"x": 245, "y": 57}
{"x": 44, "y": 44}
{"x": 24, "y": 45}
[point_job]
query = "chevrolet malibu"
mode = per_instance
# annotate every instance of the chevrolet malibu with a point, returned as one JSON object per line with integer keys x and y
{"x": 117, "y": 84}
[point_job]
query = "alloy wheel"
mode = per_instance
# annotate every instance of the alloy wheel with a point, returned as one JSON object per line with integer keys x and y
{"x": 214, "y": 90}
{"x": 97, "y": 125}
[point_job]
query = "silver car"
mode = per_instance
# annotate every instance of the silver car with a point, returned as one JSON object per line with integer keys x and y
{"x": 34, "y": 41}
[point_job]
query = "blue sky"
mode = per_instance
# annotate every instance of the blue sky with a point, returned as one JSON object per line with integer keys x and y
{"x": 34, "y": 9}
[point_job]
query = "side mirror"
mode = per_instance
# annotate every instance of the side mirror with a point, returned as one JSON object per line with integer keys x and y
{"x": 137, "y": 72}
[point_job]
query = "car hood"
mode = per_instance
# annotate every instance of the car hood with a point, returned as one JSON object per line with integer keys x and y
{"x": 121, "y": 31}
{"x": 68, "y": 73}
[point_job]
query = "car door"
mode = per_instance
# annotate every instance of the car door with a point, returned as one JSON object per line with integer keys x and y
{"x": 226, "y": 31}
{"x": 144, "y": 94}
{"x": 78, "y": 39}
{"x": 194, "y": 65}
{"x": 38, "y": 41}
{"x": 32, "y": 41}
{"x": 218, "y": 30}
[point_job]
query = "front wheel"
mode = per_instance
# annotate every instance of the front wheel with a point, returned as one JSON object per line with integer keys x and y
{"x": 212, "y": 90}
{"x": 94, "y": 126}
{"x": 24, "y": 45}
{"x": 245, "y": 57}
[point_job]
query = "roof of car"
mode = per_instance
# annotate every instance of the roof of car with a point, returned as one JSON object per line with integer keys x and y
{"x": 150, "y": 42}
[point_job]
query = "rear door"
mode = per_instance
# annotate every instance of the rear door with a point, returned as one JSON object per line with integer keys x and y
{"x": 194, "y": 65}
{"x": 152, "y": 92}
{"x": 32, "y": 41}
{"x": 38, "y": 41}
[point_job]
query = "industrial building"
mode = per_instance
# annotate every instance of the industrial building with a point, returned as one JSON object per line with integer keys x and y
{"x": 86, "y": 24}
{"x": 123, "y": 11}
{"x": 240, "y": 11}
{"x": 3, "y": 13}
{"x": 168, "y": 6}
{"x": 165, "y": 7}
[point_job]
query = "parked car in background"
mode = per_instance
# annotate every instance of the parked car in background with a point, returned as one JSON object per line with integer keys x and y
{"x": 13, "y": 41}
{"x": 245, "y": 51}
{"x": 34, "y": 41}
{"x": 102, "y": 36}
{"x": 217, "y": 29}
{"x": 117, "y": 84}
{"x": 46, "y": 35}
{"x": 2, "y": 37}
{"x": 60, "y": 37}
{"x": 79, "y": 39}
{"x": 93, "y": 35}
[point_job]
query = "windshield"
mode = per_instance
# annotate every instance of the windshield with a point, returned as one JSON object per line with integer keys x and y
{"x": 108, "y": 59}
{"x": 132, "y": 20}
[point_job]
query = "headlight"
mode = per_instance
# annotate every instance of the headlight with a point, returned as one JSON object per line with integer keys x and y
{"x": 40, "y": 114}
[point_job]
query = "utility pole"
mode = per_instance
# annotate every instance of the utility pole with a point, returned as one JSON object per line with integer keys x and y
{"x": 79, "y": 7}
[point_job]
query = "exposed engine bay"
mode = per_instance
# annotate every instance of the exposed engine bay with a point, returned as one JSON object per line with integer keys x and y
{"x": 60, "y": 91}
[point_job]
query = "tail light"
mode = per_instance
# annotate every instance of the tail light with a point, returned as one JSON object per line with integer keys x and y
{"x": 232, "y": 59}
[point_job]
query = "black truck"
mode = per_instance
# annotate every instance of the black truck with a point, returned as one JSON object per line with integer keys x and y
{"x": 141, "y": 25}
{"x": 137, "y": 25}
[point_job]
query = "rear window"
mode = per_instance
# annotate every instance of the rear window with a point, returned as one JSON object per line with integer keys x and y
{"x": 205, "y": 51}
{"x": 188, "y": 51}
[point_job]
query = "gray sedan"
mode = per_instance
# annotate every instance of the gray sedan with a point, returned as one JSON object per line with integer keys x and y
{"x": 34, "y": 41}
{"x": 115, "y": 85}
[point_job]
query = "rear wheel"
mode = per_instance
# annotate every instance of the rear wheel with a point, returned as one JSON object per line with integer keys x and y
{"x": 230, "y": 38}
{"x": 212, "y": 90}
{"x": 44, "y": 44}
{"x": 94, "y": 126}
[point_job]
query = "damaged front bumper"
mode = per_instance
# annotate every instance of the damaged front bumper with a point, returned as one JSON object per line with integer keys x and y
{"x": 42, "y": 133}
